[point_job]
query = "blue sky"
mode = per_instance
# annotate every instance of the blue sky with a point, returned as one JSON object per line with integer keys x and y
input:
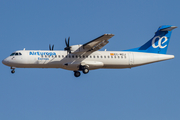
{"x": 142, "y": 93}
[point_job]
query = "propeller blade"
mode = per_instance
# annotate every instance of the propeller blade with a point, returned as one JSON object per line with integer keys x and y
{"x": 52, "y": 47}
{"x": 66, "y": 43}
{"x": 68, "y": 48}
{"x": 49, "y": 46}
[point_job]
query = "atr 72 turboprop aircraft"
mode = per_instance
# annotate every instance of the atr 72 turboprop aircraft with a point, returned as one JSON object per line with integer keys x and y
{"x": 86, "y": 57}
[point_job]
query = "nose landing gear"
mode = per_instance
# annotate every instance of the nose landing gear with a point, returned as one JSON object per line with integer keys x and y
{"x": 13, "y": 70}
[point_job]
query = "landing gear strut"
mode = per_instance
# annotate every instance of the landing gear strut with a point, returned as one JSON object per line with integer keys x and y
{"x": 77, "y": 73}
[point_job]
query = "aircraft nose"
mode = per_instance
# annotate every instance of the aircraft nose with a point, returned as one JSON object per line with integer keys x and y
{"x": 5, "y": 61}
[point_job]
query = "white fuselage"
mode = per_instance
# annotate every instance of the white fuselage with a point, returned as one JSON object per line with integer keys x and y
{"x": 95, "y": 60}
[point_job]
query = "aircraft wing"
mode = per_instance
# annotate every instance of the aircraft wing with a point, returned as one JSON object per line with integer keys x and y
{"x": 97, "y": 43}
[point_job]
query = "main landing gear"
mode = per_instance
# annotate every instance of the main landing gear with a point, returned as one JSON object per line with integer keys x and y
{"x": 13, "y": 70}
{"x": 77, "y": 73}
{"x": 84, "y": 69}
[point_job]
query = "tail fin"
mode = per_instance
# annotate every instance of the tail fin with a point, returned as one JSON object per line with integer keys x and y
{"x": 159, "y": 43}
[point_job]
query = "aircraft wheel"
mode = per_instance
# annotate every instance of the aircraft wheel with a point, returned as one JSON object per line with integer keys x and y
{"x": 13, "y": 71}
{"x": 85, "y": 70}
{"x": 77, "y": 73}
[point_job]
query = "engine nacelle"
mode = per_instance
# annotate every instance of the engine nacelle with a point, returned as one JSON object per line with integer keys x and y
{"x": 77, "y": 48}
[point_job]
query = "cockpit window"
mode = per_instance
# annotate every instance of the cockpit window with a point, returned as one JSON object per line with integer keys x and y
{"x": 12, "y": 54}
{"x": 16, "y": 54}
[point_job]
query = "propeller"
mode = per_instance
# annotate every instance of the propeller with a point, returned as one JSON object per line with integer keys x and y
{"x": 50, "y": 47}
{"x": 68, "y": 48}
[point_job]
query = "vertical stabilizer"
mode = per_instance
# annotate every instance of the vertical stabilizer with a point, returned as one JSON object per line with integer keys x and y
{"x": 159, "y": 43}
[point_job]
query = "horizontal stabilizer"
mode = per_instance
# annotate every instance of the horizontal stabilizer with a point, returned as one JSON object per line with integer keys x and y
{"x": 167, "y": 28}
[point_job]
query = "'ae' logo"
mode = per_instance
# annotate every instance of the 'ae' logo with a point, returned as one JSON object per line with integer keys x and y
{"x": 160, "y": 43}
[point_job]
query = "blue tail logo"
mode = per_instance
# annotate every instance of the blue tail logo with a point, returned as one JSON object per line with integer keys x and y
{"x": 159, "y": 43}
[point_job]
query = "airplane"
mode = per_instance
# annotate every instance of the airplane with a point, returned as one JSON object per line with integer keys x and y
{"x": 85, "y": 57}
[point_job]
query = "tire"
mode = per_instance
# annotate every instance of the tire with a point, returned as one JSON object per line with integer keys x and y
{"x": 85, "y": 70}
{"x": 77, "y": 73}
{"x": 13, "y": 71}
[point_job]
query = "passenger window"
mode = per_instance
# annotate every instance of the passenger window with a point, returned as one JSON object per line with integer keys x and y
{"x": 55, "y": 55}
{"x": 104, "y": 56}
{"x": 59, "y": 56}
{"x": 111, "y": 56}
{"x": 86, "y": 56}
{"x": 97, "y": 56}
{"x": 101, "y": 56}
{"x": 41, "y": 55}
{"x": 79, "y": 56}
{"x": 90, "y": 56}
{"x": 94, "y": 56}
{"x": 62, "y": 55}
{"x": 69, "y": 56}
{"x": 118, "y": 56}
{"x": 114, "y": 56}
{"x": 108, "y": 57}
{"x": 72, "y": 56}
{"x": 83, "y": 56}
{"x": 52, "y": 56}
{"x": 45, "y": 55}
{"x": 76, "y": 56}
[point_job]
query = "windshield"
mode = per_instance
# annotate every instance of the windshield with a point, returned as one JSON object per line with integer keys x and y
{"x": 15, "y": 53}
{"x": 12, "y": 54}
